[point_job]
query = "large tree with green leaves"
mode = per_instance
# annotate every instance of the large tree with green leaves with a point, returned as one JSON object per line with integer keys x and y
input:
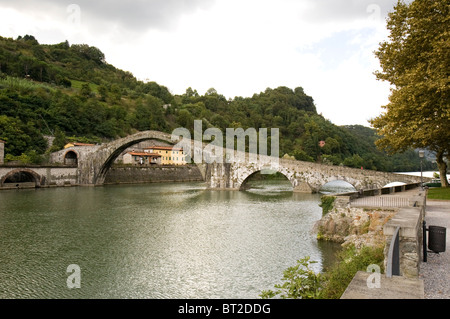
{"x": 416, "y": 60}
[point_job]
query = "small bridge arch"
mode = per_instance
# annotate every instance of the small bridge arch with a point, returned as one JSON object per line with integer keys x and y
{"x": 245, "y": 184}
{"x": 337, "y": 185}
{"x": 21, "y": 175}
{"x": 71, "y": 157}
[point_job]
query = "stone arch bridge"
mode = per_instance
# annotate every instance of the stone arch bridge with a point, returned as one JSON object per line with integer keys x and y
{"x": 94, "y": 164}
{"x": 90, "y": 165}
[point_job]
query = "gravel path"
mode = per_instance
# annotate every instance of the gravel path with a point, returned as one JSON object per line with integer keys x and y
{"x": 436, "y": 271}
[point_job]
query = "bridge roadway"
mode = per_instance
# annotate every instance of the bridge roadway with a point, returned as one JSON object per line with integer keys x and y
{"x": 94, "y": 162}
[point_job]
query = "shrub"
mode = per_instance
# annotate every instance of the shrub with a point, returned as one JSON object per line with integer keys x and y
{"x": 326, "y": 202}
{"x": 301, "y": 282}
{"x": 349, "y": 262}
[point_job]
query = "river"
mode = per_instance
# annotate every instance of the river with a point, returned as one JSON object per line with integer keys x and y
{"x": 169, "y": 240}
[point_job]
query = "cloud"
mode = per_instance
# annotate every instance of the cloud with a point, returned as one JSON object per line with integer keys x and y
{"x": 320, "y": 11}
{"x": 239, "y": 47}
{"x": 139, "y": 15}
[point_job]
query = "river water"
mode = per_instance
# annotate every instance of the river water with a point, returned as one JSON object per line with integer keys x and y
{"x": 170, "y": 240}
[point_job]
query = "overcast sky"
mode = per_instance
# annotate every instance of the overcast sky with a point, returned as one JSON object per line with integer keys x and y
{"x": 237, "y": 47}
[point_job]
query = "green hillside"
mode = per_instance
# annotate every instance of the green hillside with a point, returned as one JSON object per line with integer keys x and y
{"x": 70, "y": 92}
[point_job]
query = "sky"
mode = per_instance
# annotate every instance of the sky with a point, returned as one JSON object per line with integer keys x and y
{"x": 237, "y": 47}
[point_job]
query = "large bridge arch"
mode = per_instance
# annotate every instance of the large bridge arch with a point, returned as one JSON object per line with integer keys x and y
{"x": 92, "y": 169}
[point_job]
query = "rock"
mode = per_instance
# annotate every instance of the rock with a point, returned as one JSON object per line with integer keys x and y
{"x": 353, "y": 225}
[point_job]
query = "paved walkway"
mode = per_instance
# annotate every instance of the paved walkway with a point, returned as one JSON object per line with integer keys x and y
{"x": 396, "y": 287}
{"x": 436, "y": 271}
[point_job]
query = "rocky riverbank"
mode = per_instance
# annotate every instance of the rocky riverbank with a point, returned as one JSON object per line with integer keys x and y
{"x": 353, "y": 225}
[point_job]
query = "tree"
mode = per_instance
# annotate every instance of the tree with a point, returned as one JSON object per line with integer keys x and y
{"x": 59, "y": 141}
{"x": 91, "y": 53}
{"x": 415, "y": 62}
{"x": 185, "y": 119}
{"x": 355, "y": 161}
{"x": 85, "y": 90}
{"x": 103, "y": 92}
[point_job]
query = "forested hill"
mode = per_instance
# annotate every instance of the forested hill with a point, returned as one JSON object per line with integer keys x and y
{"x": 72, "y": 93}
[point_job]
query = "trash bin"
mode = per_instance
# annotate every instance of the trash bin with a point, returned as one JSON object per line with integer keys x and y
{"x": 436, "y": 238}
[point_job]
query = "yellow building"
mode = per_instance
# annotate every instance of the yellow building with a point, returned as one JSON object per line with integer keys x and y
{"x": 169, "y": 155}
{"x": 142, "y": 158}
{"x": 77, "y": 144}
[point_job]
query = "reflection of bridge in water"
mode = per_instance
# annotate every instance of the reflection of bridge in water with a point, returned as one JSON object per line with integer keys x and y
{"x": 93, "y": 163}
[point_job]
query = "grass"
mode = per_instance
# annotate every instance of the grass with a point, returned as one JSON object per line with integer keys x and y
{"x": 18, "y": 83}
{"x": 442, "y": 193}
{"x": 77, "y": 85}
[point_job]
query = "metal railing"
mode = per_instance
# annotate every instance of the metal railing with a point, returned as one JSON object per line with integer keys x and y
{"x": 381, "y": 201}
{"x": 393, "y": 261}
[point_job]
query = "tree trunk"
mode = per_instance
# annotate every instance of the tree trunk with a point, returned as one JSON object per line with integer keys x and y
{"x": 442, "y": 165}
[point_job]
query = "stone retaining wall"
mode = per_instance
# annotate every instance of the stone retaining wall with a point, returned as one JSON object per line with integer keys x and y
{"x": 152, "y": 174}
{"x": 410, "y": 221}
